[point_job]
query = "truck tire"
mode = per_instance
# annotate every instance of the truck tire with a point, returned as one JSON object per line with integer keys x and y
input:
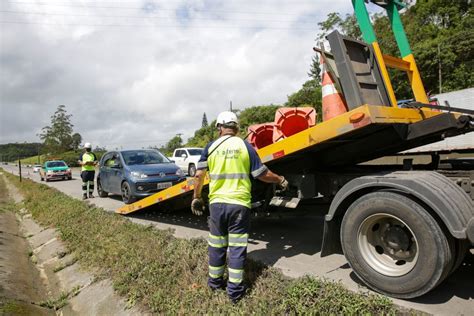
{"x": 395, "y": 246}
{"x": 100, "y": 190}
{"x": 127, "y": 196}
{"x": 192, "y": 170}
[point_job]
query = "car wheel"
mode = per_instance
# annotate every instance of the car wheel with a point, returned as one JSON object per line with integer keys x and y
{"x": 69, "y": 178}
{"x": 192, "y": 170}
{"x": 127, "y": 193}
{"x": 46, "y": 179}
{"x": 100, "y": 190}
{"x": 394, "y": 245}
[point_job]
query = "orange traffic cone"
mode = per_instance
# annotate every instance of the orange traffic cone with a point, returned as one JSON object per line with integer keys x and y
{"x": 289, "y": 121}
{"x": 333, "y": 101}
{"x": 261, "y": 135}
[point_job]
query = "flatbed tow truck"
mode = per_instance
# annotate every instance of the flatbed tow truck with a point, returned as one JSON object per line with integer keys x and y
{"x": 402, "y": 228}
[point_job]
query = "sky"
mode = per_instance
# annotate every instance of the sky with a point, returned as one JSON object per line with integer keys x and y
{"x": 134, "y": 74}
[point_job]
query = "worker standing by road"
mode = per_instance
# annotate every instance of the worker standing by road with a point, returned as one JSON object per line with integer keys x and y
{"x": 88, "y": 161}
{"x": 230, "y": 161}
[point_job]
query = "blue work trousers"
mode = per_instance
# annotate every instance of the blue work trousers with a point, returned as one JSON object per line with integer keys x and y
{"x": 228, "y": 232}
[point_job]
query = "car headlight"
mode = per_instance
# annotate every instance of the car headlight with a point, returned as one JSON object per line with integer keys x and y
{"x": 49, "y": 171}
{"x": 179, "y": 173}
{"x": 68, "y": 169}
{"x": 139, "y": 175}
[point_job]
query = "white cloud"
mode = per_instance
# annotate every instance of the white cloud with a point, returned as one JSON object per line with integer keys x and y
{"x": 154, "y": 68}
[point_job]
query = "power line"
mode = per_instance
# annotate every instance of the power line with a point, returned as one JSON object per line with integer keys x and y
{"x": 309, "y": 2}
{"x": 149, "y": 8}
{"x": 162, "y": 26}
{"x": 147, "y": 17}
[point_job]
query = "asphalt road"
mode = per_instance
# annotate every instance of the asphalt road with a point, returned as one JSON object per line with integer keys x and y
{"x": 291, "y": 244}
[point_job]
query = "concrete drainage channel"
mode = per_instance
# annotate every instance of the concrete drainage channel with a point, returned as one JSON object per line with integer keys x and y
{"x": 70, "y": 290}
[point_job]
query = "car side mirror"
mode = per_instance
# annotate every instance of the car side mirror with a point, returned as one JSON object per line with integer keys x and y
{"x": 172, "y": 161}
{"x": 184, "y": 156}
{"x": 116, "y": 166}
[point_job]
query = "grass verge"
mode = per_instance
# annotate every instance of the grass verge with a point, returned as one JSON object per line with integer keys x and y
{"x": 169, "y": 275}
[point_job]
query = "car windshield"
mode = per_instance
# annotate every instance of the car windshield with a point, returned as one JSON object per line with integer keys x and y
{"x": 55, "y": 164}
{"x": 195, "y": 152}
{"x": 145, "y": 157}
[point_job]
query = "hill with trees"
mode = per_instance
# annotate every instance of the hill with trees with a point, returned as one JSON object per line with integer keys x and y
{"x": 14, "y": 151}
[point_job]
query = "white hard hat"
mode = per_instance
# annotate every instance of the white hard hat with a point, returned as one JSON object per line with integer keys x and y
{"x": 226, "y": 118}
{"x": 87, "y": 145}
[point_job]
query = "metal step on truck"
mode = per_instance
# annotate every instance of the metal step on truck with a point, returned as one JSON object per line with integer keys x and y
{"x": 402, "y": 228}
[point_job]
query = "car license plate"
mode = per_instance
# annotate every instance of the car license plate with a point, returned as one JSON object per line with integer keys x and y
{"x": 163, "y": 185}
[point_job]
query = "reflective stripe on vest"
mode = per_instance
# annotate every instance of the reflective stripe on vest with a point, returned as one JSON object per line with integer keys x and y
{"x": 86, "y": 157}
{"x": 229, "y": 169}
{"x": 229, "y": 176}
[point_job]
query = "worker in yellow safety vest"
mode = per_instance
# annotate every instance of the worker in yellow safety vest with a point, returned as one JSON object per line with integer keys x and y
{"x": 87, "y": 161}
{"x": 230, "y": 162}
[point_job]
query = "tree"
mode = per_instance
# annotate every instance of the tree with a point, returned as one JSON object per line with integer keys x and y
{"x": 204, "y": 120}
{"x": 203, "y": 136}
{"x": 441, "y": 37}
{"x": 308, "y": 95}
{"x": 172, "y": 144}
{"x": 315, "y": 69}
{"x": 347, "y": 26}
{"x": 256, "y": 115}
{"x": 76, "y": 141}
{"x": 57, "y": 137}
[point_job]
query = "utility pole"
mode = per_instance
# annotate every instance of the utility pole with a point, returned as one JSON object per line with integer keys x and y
{"x": 439, "y": 70}
{"x": 19, "y": 167}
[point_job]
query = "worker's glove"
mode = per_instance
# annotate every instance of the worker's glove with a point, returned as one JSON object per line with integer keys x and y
{"x": 197, "y": 206}
{"x": 283, "y": 184}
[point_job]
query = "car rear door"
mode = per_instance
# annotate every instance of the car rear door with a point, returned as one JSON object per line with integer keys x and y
{"x": 104, "y": 172}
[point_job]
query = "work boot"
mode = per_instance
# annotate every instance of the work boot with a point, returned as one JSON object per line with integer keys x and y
{"x": 91, "y": 196}
{"x": 218, "y": 288}
{"x": 84, "y": 196}
{"x": 236, "y": 300}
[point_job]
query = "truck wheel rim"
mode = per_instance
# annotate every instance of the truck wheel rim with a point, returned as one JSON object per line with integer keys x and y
{"x": 387, "y": 244}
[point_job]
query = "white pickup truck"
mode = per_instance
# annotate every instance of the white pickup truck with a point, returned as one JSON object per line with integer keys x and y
{"x": 187, "y": 159}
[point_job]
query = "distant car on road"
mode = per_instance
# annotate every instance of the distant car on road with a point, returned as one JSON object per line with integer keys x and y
{"x": 55, "y": 169}
{"x": 187, "y": 159}
{"x": 36, "y": 168}
{"x": 136, "y": 173}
